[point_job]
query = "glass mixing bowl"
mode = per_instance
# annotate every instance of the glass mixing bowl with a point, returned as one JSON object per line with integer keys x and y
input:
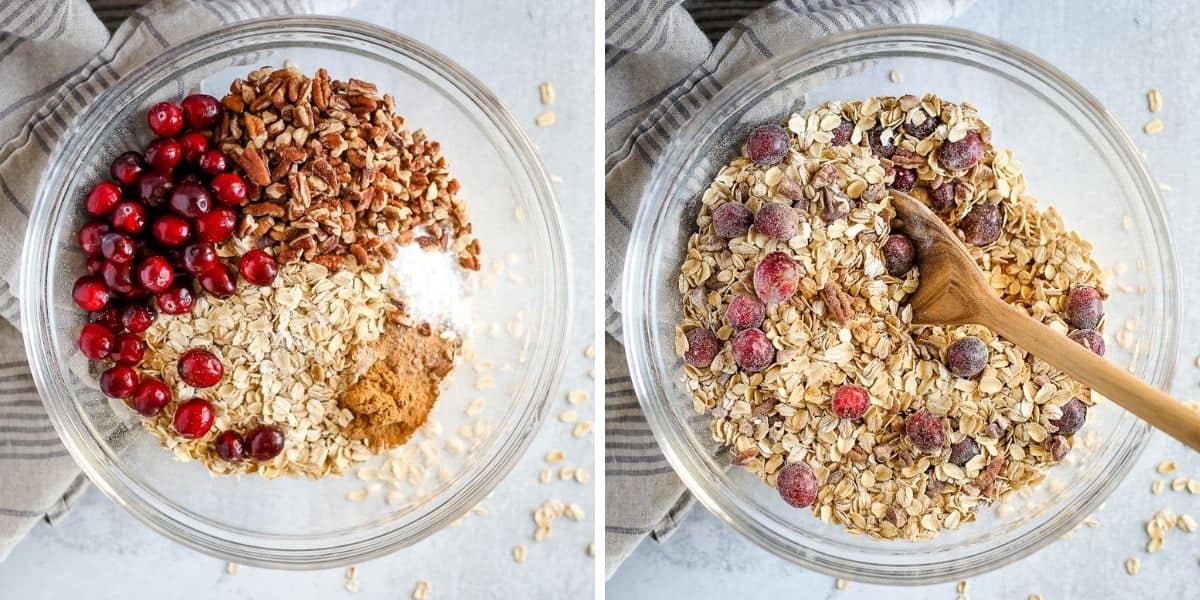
{"x": 1076, "y": 157}
{"x": 293, "y": 523}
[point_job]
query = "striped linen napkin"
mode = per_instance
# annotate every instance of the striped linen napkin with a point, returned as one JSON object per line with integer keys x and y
{"x": 663, "y": 60}
{"x": 55, "y": 57}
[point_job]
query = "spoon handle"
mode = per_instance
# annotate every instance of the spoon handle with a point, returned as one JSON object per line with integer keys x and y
{"x": 1149, "y": 403}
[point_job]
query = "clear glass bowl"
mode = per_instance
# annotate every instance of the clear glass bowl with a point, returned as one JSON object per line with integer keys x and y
{"x": 293, "y": 523}
{"x": 1076, "y": 157}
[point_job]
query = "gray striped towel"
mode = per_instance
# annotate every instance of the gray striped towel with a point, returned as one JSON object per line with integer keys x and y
{"x": 55, "y": 57}
{"x": 663, "y": 59}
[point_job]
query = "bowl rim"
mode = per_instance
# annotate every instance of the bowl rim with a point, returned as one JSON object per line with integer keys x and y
{"x": 640, "y": 336}
{"x": 546, "y": 365}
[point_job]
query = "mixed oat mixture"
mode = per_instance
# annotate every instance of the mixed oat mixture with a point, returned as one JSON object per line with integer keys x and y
{"x": 799, "y": 344}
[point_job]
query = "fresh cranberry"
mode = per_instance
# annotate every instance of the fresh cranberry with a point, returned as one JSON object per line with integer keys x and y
{"x": 732, "y": 219}
{"x": 776, "y": 278}
{"x": 230, "y": 446}
{"x": 1084, "y": 307}
{"x": 797, "y": 484}
{"x": 130, "y": 217}
{"x": 745, "y": 311}
{"x": 777, "y": 220}
{"x": 94, "y": 265}
{"x": 967, "y": 356}
{"x": 218, "y": 281}
{"x": 924, "y": 430}
{"x": 703, "y": 346}
{"x": 165, "y": 119}
{"x": 137, "y": 318}
{"x": 258, "y": 267}
{"x": 127, "y": 167}
{"x": 213, "y": 162}
{"x": 156, "y": 274}
{"x": 199, "y": 257}
{"x": 904, "y": 179}
{"x": 875, "y": 140}
{"x": 941, "y": 198}
{"x": 842, "y": 133}
{"x": 190, "y": 200}
{"x": 154, "y": 188}
{"x": 216, "y": 225}
{"x": 767, "y": 144}
{"x": 129, "y": 349}
{"x": 90, "y": 293}
{"x": 983, "y": 224}
{"x": 118, "y": 382}
{"x": 118, "y": 277}
{"x": 171, "y": 230}
{"x": 189, "y": 177}
{"x": 961, "y": 155}
{"x": 230, "y": 189}
{"x": 194, "y": 418}
{"x": 109, "y": 317}
{"x": 91, "y": 236}
{"x": 175, "y": 301}
{"x": 102, "y": 199}
{"x": 150, "y": 397}
{"x": 962, "y": 452}
{"x": 193, "y": 144}
{"x": 898, "y": 254}
{"x": 264, "y": 442}
{"x": 201, "y": 111}
{"x": 851, "y": 401}
{"x": 117, "y": 247}
{"x": 1090, "y": 339}
{"x": 1074, "y": 413}
{"x": 923, "y": 128}
{"x": 200, "y": 368}
{"x": 752, "y": 351}
{"x": 96, "y": 341}
{"x": 163, "y": 154}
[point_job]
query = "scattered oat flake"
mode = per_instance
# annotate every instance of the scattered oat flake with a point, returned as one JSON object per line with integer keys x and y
{"x": 591, "y": 549}
{"x": 568, "y": 416}
{"x": 518, "y": 214}
{"x": 1153, "y": 126}
{"x": 1154, "y": 100}
{"x": 582, "y": 428}
{"x": 1127, "y": 223}
{"x": 556, "y": 178}
{"x": 422, "y": 591}
{"x": 1035, "y": 597}
{"x": 555, "y": 455}
{"x": 1131, "y": 565}
{"x": 546, "y": 91}
{"x": 566, "y": 473}
{"x": 591, "y": 373}
{"x": 590, "y": 351}
{"x": 519, "y": 552}
{"x": 1156, "y": 487}
{"x": 842, "y": 584}
{"x": 546, "y": 475}
{"x": 962, "y": 587}
{"x": 545, "y": 119}
{"x": 1164, "y": 187}
{"x": 895, "y": 76}
{"x": 486, "y": 382}
{"x": 577, "y": 397}
{"x": 231, "y": 568}
{"x": 1166, "y": 466}
{"x": 581, "y": 476}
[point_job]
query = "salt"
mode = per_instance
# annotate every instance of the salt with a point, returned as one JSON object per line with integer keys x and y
{"x": 434, "y": 288}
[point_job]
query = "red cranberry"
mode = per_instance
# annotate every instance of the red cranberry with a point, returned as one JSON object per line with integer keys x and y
{"x": 258, "y": 267}
{"x": 797, "y": 484}
{"x": 217, "y": 225}
{"x": 190, "y": 200}
{"x": 229, "y": 446}
{"x": 90, "y": 237}
{"x": 878, "y": 148}
{"x": 156, "y": 274}
{"x": 102, "y": 199}
{"x": 96, "y": 341}
{"x": 1074, "y": 413}
{"x": 193, "y": 144}
{"x": 961, "y": 155}
{"x": 983, "y": 224}
{"x": 967, "y": 356}
{"x": 201, "y": 111}
{"x": 118, "y": 382}
{"x": 851, "y": 401}
{"x": 230, "y": 189}
{"x": 922, "y": 128}
{"x": 118, "y": 277}
{"x": 752, "y": 351}
{"x": 941, "y": 198}
{"x": 218, "y": 281}
{"x": 163, "y": 154}
{"x": 842, "y": 133}
{"x": 767, "y": 144}
{"x": 745, "y": 311}
{"x": 117, "y": 247}
{"x": 199, "y": 257}
{"x": 109, "y": 317}
{"x": 165, "y": 119}
{"x": 94, "y": 265}
{"x": 732, "y": 219}
{"x": 776, "y": 278}
{"x": 903, "y": 179}
{"x": 962, "y": 452}
{"x": 129, "y": 350}
{"x": 129, "y": 217}
{"x": 264, "y": 442}
{"x": 898, "y": 254}
{"x": 150, "y": 397}
{"x": 1090, "y": 339}
{"x": 137, "y": 318}
{"x": 199, "y": 368}
{"x": 924, "y": 430}
{"x": 175, "y": 301}
{"x": 90, "y": 293}
{"x": 777, "y": 220}
{"x": 127, "y": 167}
{"x": 703, "y": 346}
{"x": 194, "y": 418}
{"x": 171, "y": 230}
{"x": 1084, "y": 307}
{"x": 213, "y": 162}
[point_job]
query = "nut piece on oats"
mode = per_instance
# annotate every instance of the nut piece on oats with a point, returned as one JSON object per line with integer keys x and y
{"x": 194, "y": 418}
{"x": 1074, "y": 414}
{"x": 777, "y": 220}
{"x": 983, "y": 224}
{"x": 967, "y": 356}
{"x": 941, "y": 198}
{"x": 797, "y": 484}
{"x": 1090, "y": 339}
{"x": 752, "y": 351}
{"x": 1084, "y": 307}
{"x": 842, "y": 133}
{"x": 924, "y": 431}
{"x": 851, "y": 402}
{"x": 745, "y": 312}
{"x": 767, "y": 144}
{"x": 731, "y": 220}
{"x": 962, "y": 452}
{"x": 898, "y": 254}
{"x": 961, "y": 155}
{"x": 776, "y": 278}
{"x": 703, "y": 346}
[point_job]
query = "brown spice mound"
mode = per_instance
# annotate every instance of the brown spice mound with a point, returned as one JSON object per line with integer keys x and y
{"x": 393, "y": 398}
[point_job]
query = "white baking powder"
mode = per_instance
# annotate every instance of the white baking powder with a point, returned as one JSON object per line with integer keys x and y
{"x": 432, "y": 285}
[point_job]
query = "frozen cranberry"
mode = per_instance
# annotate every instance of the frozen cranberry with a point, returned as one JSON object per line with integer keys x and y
{"x": 128, "y": 350}
{"x": 117, "y": 247}
{"x": 216, "y": 225}
{"x": 193, "y": 144}
{"x": 1084, "y": 307}
{"x": 175, "y": 301}
{"x": 752, "y": 351}
{"x": 154, "y": 188}
{"x": 165, "y": 119}
{"x": 767, "y": 144}
{"x": 230, "y": 189}
{"x": 903, "y": 179}
{"x": 200, "y": 257}
{"x": 90, "y": 237}
{"x": 218, "y": 281}
{"x": 264, "y": 442}
{"x": 777, "y": 220}
{"x": 878, "y": 147}
{"x": 156, "y": 274}
{"x": 851, "y": 401}
{"x": 921, "y": 129}
{"x": 962, "y": 452}
{"x": 967, "y": 356}
{"x": 90, "y": 293}
{"x": 776, "y": 278}
{"x": 102, "y": 199}
{"x": 201, "y": 111}
{"x": 1074, "y": 413}
{"x": 127, "y": 167}
{"x": 797, "y": 484}
{"x": 190, "y": 200}
{"x": 150, "y": 397}
{"x": 118, "y": 277}
{"x": 898, "y": 254}
{"x": 118, "y": 382}
{"x": 137, "y": 318}
{"x": 171, "y": 230}
{"x": 745, "y": 311}
{"x": 129, "y": 217}
{"x": 96, "y": 341}
{"x": 163, "y": 154}
{"x": 194, "y": 418}
{"x": 842, "y": 133}
{"x": 229, "y": 446}
{"x": 258, "y": 267}
{"x": 199, "y": 368}
{"x": 731, "y": 220}
{"x": 703, "y": 346}
{"x": 941, "y": 198}
{"x": 961, "y": 155}
{"x": 924, "y": 430}
{"x": 1090, "y": 339}
{"x": 983, "y": 224}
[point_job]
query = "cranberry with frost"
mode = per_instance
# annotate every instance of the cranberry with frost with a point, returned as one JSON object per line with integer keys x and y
{"x": 1090, "y": 339}
{"x": 217, "y": 225}
{"x": 904, "y": 179}
{"x": 130, "y": 217}
{"x": 924, "y": 430}
{"x": 175, "y": 301}
{"x": 96, "y": 341}
{"x": 102, "y": 199}
{"x": 898, "y": 254}
{"x": 842, "y": 133}
{"x": 962, "y": 452}
{"x": 199, "y": 368}
{"x": 128, "y": 350}
{"x": 967, "y": 356}
{"x": 194, "y": 418}
{"x": 752, "y": 351}
{"x": 776, "y": 278}
{"x": 137, "y": 318}
{"x": 90, "y": 293}
{"x": 732, "y": 219}
{"x": 1074, "y": 413}
{"x": 230, "y": 189}
{"x": 851, "y": 401}
{"x": 153, "y": 188}
{"x": 201, "y": 111}
{"x": 258, "y": 267}
{"x": 962, "y": 154}
{"x": 703, "y": 346}
{"x": 150, "y": 397}
{"x": 878, "y": 147}
{"x": 193, "y": 144}
{"x": 941, "y": 198}
{"x": 118, "y": 382}
{"x": 190, "y": 200}
{"x": 264, "y": 442}
{"x": 983, "y": 224}
{"x": 745, "y": 312}
{"x": 171, "y": 230}
{"x": 797, "y": 484}
{"x": 1084, "y": 307}
{"x": 921, "y": 129}
{"x": 213, "y": 162}
{"x": 90, "y": 237}
{"x": 218, "y": 281}
{"x": 230, "y": 446}
{"x": 767, "y": 144}
{"x": 777, "y": 220}
{"x": 127, "y": 167}
{"x": 165, "y": 119}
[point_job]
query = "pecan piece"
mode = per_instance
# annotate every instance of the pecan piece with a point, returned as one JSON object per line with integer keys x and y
{"x": 264, "y": 209}
{"x": 987, "y": 478}
{"x": 836, "y": 205}
{"x": 837, "y": 302}
{"x": 251, "y": 161}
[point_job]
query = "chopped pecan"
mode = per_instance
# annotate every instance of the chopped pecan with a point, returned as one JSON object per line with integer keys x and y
{"x": 825, "y": 176}
{"x": 791, "y": 189}
{"x": 837, "y": 302}
{"x": 835, "y": 205}
{"x": 261, "y": 209}
{"x": 908, "y": 159}
{"x": 254, "y": 166}
{"x": 744, "y": 456}
{"x": 332, "y": 262}
{"x": 987, "y": 478}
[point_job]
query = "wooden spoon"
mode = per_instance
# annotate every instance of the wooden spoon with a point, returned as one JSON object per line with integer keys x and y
{"x": 953, "y": 292}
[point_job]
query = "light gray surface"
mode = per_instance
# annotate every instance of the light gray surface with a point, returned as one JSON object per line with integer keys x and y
{"x": 1117, "y": 50}
{"x": 101, "y": 552}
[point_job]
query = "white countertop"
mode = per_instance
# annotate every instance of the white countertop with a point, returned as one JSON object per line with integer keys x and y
{"x": 100, "y": 552}
{"x": 1118, "y": 50}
